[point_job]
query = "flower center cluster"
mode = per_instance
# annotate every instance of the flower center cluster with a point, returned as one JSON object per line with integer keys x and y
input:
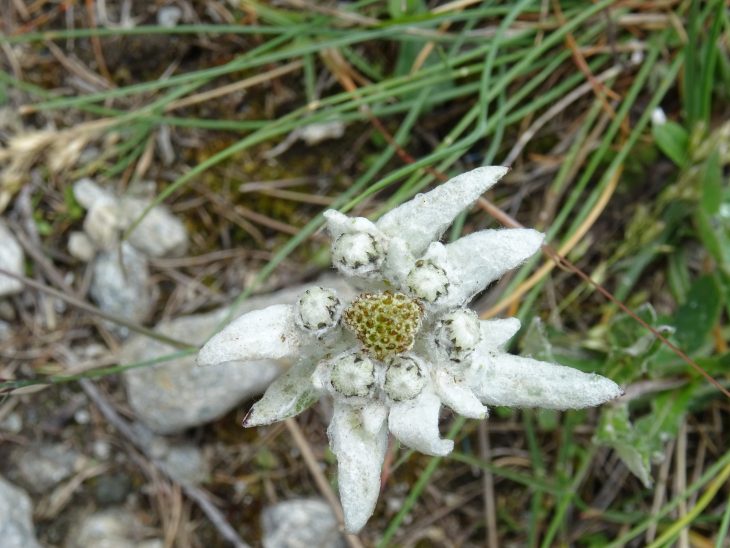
{"x": 386, "y": 323}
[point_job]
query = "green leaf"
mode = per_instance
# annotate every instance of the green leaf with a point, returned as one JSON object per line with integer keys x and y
{"x": 641, "y": 443}
{"x": 712, "y": 184}
{"x": 535, "y": 343}
{"x": 632, "y": 348}
{"x": 696, "y": 317}
{"x": 673, "y": 140}
{"x": 616, "y": 431}
{"x": 402, "y": 8}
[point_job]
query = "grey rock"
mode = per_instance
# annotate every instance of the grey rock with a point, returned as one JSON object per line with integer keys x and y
{"x": 112, "y": 489}
{"x": 16, "y": 525}
{"x": 6, "y": 330}
{"x": 301, "y": 523}
{"x": 175, "y": 395}
{"x": 81, "y": 247}
{"x": 42, "y": 467}
{"x": 120, "y": 285}
{"x": 102, "y": 224}
{"x": 11, "y": 259}
{"x": 159, "y": 234}
{"x": 88, "y": 193}
{"x": 13, "y": 423}
{"x": 186, "y": 464}
{"x": 111, "y": 528}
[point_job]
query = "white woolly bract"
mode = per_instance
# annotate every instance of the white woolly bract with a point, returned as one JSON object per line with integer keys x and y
{"x": 514, "y": 381}
{"x": 268, "y": 333}
{"x": 360, "y": 452}
{"x": 415, "y": 424}
{"x": 424, "y": 219}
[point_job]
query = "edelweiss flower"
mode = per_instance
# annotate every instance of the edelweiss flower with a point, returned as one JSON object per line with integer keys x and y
{"x": 407, "y": 344}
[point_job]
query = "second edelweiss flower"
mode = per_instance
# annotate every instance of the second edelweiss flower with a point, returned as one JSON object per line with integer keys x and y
{"x": 407, "y": 343}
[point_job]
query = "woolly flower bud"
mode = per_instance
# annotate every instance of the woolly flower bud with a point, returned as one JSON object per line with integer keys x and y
{"x": 358, "y": 253}
{"x": 353, "y": 375}
{"x": 427, "y": 281}
{"x": 404, "y": 378}
{"x": 458, "y": 333}
{"x": 318, "y": 310}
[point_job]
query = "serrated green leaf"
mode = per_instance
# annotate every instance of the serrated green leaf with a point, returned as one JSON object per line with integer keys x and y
{"x": 673, "y": 140}
{"x": 696, "y": 317}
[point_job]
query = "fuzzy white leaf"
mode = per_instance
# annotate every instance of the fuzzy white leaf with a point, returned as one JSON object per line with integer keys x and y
{"x": 495, "y": 334}
{"x": 290, "y": 394}
{"x": 360, "y": 453}
{"x": 267, "y": 333}
{"x": 424, "y": 219}
{"x": 416, "y": 424}
{"x": 514, "y": 381}
{"x": 339, "y": 223}
{"x": 480, "y": 258}
{"x": 456, "y": 394}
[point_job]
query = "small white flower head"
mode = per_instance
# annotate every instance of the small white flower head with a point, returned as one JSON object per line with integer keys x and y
{"x": 405, "y": 378}
{"x": 428, "y": 281}
{"x": 353, "y": 375}
{"x": 318, "y": 310}
{"x": 407, "y": 345}
{"x": 458, "y": 333}
{"x": 358, "y": 254}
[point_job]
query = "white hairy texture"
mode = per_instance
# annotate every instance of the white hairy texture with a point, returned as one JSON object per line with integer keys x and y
{"x": 11, "y": 259}
{"x": 352, "y": 375}
{"x": 358, "y": 254}
{"x": 268, "y": 333}
{"x": 360, "y": 452}
{"x": 339, "y": 223}
{"x": 290, "y": 394}
{"x": 427, "y": 281}
{"x": 514, "y": 381}
{"x": 398, "y": 263}
{"x": 405, "y": 377}
{"x": 495, "y": 334}
{"x": 457, "y": 394}
{"x": 478, "y": 259}
{"x": 424, "y": 219}
{"x": 318, "y": 310}
{"x": 373, "y": 415}
{"x": 415, "y": 424}
{"x": 459, "y": 333}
